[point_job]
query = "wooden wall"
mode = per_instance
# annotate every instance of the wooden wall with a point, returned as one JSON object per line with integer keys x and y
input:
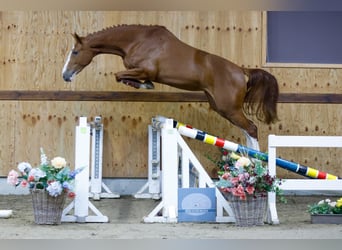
{"x": 35, "y": 45}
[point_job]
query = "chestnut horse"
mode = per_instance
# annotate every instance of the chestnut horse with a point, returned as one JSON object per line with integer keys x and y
{"x": 151, "y": 53}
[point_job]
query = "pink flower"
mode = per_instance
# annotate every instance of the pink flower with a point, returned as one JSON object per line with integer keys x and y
{"x": 243, "y": 177}
{"x": 23, "y": 183}
{"x": 225, "y": 176}
{"x": 238, "y": 191}
{"x": 12, "y": 178}
{"x": 235, "y": 180}
{"x": 250, "y": 189}
{"x": 243, "y": 197}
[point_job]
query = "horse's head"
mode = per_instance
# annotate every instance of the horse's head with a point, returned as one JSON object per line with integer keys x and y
{"x": 79, "y": 57}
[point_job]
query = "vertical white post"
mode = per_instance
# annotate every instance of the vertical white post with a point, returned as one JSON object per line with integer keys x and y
{"x": 96, "y": 184}
{"x": 154, "y": 162}
{"x": 96, "y": 170}
{"x": 170, "y": 171}
{"x": 185, "y": 171}
{"x": 272, "y": 216}
{"x": 82, "y": 156}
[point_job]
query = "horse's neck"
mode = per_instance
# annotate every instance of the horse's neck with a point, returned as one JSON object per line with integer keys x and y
{"x": 116, "y": 43}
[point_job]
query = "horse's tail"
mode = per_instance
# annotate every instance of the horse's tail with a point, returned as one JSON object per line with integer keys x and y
{"x": 262, "y": 95}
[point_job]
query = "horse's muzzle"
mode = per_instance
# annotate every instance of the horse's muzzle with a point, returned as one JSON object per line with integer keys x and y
{"x": 67, "y": 76}
{"x": 66, "y": 79}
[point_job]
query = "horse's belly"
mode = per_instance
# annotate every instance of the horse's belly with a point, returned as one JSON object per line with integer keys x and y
{"x": 181, "y": 84}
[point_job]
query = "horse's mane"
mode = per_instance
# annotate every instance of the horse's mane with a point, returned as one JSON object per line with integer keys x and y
{"x": 121, "y": 26}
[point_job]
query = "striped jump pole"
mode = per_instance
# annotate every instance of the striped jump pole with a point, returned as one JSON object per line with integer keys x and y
{"x": 189, "y": 131}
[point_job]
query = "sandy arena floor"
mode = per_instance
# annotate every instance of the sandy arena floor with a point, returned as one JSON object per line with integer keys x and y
{"x": 125, "y": 215}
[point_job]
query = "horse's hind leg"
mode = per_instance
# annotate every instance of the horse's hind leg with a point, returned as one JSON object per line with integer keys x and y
{"x": 251, "y": 141}
{"x": 248, "y": 127}
{"x": 238, "y": 118}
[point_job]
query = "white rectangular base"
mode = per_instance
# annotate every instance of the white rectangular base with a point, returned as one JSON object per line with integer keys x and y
{"x": 91, "y": 218}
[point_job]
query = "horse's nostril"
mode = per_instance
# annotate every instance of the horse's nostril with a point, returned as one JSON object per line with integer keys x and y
{"x": 66, "y": 78}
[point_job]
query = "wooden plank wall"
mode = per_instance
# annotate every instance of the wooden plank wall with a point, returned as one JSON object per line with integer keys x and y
{"x": 34, "y": 47}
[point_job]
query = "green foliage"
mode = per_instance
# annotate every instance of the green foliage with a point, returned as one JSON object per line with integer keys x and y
{"x": 326, "y": 207}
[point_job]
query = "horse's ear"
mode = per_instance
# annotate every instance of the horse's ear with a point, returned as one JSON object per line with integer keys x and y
{"x": 77, "y": 38}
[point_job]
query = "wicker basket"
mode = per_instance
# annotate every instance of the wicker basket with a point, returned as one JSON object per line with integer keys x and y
{"x": 47, "y": 209}
{"x": 249, "y": 212}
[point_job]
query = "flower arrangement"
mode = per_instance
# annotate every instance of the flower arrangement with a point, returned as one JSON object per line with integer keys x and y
{"x": 242, "y": 176}
{"x": 326, "y": 207}
{"x": 54, "y": 176}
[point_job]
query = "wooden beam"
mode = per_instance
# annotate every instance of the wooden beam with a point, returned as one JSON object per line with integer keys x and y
{"x": 310, "y": 98}
{"x": 149, "y": 96}
{"x": 119, "y": 96}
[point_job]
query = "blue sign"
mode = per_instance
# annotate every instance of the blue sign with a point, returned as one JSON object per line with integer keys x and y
{"x": 196, "y": 205}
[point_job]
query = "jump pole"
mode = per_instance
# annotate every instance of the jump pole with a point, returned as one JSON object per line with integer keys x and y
{"x": 189, "y": 131}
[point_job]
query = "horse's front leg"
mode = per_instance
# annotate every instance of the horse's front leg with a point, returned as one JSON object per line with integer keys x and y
{"x": 132, "y": 78}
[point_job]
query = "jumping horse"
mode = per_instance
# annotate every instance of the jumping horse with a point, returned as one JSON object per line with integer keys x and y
{"x": 151, "y": 53}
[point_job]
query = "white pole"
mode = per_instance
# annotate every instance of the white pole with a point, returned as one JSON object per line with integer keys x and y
{"x": 82, "y": 156}
{"x": 170, "y": 171}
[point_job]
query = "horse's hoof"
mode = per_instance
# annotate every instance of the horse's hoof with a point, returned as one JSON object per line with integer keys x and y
{"x": 147, "y": 85}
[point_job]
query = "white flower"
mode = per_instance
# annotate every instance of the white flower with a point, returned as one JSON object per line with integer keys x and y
{"x": 327, "y": 200}
{"x": 58, "y": 162}
{"x": 332, "y": 204}
{"x": 320, "y": 202}
{"x": 224, "y": 157}
{"x": 24, "y": 167}
{"x": 54, "y": 188}
{"x": 37, "y": 173}
{"x": 43, "y": 157}
{"x": 243, "y": 162}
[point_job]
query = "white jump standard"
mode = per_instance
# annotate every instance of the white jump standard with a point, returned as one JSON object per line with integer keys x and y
{"x": 152, "y": 188}
{"x": 176, "y": 158}
{"x": 81, "y": 203}
{"x": 327, "y": 182}
{"x": 96, "y": 183}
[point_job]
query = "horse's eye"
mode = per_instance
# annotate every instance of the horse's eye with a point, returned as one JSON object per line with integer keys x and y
{"x": 74, "y": 52}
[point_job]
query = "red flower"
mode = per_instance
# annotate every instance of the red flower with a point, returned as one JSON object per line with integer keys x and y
{"x": 224, "y": 152}
{"x": 71, "y": 195}
{"x": 30, "y": 178}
